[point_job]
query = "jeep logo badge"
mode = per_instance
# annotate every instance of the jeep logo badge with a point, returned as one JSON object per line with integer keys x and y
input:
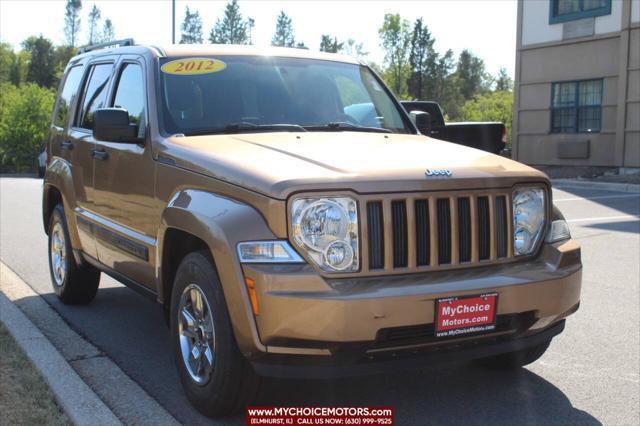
{"x": 438, "y": 172}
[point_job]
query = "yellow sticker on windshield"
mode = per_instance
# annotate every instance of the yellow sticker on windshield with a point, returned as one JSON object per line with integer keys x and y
{"x": 193, "y": 66}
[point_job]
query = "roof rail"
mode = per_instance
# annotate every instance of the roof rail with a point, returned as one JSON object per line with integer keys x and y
{"x": 114, "y": 43}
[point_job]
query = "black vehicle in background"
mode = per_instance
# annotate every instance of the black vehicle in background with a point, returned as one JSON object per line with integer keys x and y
{"x": 490, "y": 136}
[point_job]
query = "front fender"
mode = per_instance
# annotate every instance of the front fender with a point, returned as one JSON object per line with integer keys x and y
{"x": 58, "y": 175}
{"x": 221, "y": 223}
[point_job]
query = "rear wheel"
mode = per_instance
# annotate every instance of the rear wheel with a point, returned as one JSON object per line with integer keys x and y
{"x": 517, "y": 359}
{"x": 74, "y": 284}
{"x": 217, "y": 379}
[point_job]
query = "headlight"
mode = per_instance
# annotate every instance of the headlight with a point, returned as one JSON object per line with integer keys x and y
{"x": 528, "y": 219}
{"x": 327, "y": 229}
{"x": 559, "y": 231}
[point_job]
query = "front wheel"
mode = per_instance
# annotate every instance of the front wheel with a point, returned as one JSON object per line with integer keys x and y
{"x": 517, "y": 359}
{"x": 74, "y": 284}
{"x": 217, "y": 379}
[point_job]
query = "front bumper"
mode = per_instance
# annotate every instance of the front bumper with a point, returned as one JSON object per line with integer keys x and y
{"x": 359, "y": 363}
{"x": 304, "y": 316}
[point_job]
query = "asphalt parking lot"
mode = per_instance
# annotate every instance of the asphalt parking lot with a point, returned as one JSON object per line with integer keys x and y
{"x": 590, "y": 375}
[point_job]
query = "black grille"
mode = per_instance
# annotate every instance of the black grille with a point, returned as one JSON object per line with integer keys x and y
{"x": 399, "y": 221}
{"x": 444, "y": 231}
{"x": 501, "y": 226}
{"x": 464, "y": 229}
{"x": 375, "y": 229}
{"x": 484, "y": 228}
{"x": 423, "y": 240}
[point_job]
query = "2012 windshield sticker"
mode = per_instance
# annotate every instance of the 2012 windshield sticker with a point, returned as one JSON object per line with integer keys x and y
{"x": 193, "y": 66}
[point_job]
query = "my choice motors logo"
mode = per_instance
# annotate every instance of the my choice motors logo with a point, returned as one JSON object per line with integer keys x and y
{"x": 465, "y": 309}
{"x": 438, "y": 172}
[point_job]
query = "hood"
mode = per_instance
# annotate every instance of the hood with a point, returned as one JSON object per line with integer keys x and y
{"x": 278, "y": 164}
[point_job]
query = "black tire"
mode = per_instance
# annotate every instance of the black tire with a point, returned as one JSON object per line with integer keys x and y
{"x": 79, "y": 284}
{"x": 517, "y": 359}
{"x": 232, "y": 384}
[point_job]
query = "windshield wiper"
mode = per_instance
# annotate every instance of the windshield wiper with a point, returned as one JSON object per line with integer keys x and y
{"x": 348, "y": 127}
{"x": 244, "y": 126}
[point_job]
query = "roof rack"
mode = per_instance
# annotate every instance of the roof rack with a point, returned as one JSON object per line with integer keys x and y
{"x": 113, "y": 43}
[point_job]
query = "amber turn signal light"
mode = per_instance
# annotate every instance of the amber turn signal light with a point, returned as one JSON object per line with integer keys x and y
{"x": 253, "y": 297}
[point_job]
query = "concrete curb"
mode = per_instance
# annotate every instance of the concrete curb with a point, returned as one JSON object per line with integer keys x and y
{"x": 588, "y": 184}
{"x": 78, "y": 401}
{"x": 126, "y": 400}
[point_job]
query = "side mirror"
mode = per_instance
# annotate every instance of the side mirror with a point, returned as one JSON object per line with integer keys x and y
{"x": 112, "y": 125}
{"x": 422, "y": 120}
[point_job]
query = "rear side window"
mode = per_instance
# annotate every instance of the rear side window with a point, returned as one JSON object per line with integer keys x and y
{"x": 69, "y": 91}
{"x": 130, "y": 92}
{"x": 95, "y": 94}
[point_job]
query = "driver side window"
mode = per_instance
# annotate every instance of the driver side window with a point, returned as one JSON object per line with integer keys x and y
{"x": 130, "y": 92}
{"x": 95, "y": 94}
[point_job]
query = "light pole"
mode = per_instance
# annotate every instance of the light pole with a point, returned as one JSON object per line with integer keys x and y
{"x": 173, "y": 21}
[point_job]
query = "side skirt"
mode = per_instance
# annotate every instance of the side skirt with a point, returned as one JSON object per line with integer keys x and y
{"x": 133, "y": 285}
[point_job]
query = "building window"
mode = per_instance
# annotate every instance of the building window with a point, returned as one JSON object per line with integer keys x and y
{"x": 576, "y": 106}
{"x": 570, "y": 10}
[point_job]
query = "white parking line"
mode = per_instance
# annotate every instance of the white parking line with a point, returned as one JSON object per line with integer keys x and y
{"x": 598, "y": 197}
{"x": 610, "y": 218}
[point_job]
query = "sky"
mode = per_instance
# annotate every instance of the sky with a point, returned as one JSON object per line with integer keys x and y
{"x": 486, "y": 27}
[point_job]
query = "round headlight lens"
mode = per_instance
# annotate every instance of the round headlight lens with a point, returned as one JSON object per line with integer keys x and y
{"x": 528, "y": 219}
{"x": 321, "y": 222}
{"x": 338, "y": 255}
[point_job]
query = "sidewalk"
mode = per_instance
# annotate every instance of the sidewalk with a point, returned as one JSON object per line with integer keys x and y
{"x": 77, "y": 400}
{"x": 90, "y": 388}
{"x": 596, "y": 184}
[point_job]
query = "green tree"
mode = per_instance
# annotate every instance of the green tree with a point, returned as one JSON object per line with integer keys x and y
{"x": 42, "y": 66}
{"x": 470, "y": 74}
{"x": 108, "y": 31}
{"x": 503, "y": 81}
{"x": 443, "y": 88}
{"x": 13, "y": 65}
{"x": 94, "y": 23}
{"x": 62, "y": 55}
{"x": 251, "y": 23}
{"x": 331, "y": 45}
{"x": 355, "y": 49}
{"x": 191, "y": 28}
{"x": 7, "y": 59}
{"x": 395, "y": 38}
{"x": 72, "y": 21}
{"x": 284, "y": 36}
{"x": 25, "y": 114}
{"x": 422, "y": 60}
{"x": 491, "y": 106}
{"x": 20, "y": 68}
{"x": 232, "y": 28}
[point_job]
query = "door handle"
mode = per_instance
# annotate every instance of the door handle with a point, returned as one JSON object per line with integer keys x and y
{"x": 66, "y": 145}
{"x": 99, "y": 154}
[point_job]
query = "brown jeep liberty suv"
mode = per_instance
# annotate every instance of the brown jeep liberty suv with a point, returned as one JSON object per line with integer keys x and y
{"x": 284, "y": 210}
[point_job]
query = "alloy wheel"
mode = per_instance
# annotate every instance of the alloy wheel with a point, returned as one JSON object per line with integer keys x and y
{"x": 196, "y": 334}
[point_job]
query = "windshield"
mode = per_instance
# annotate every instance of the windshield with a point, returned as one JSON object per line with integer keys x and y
{"x": 255, "y": 93}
